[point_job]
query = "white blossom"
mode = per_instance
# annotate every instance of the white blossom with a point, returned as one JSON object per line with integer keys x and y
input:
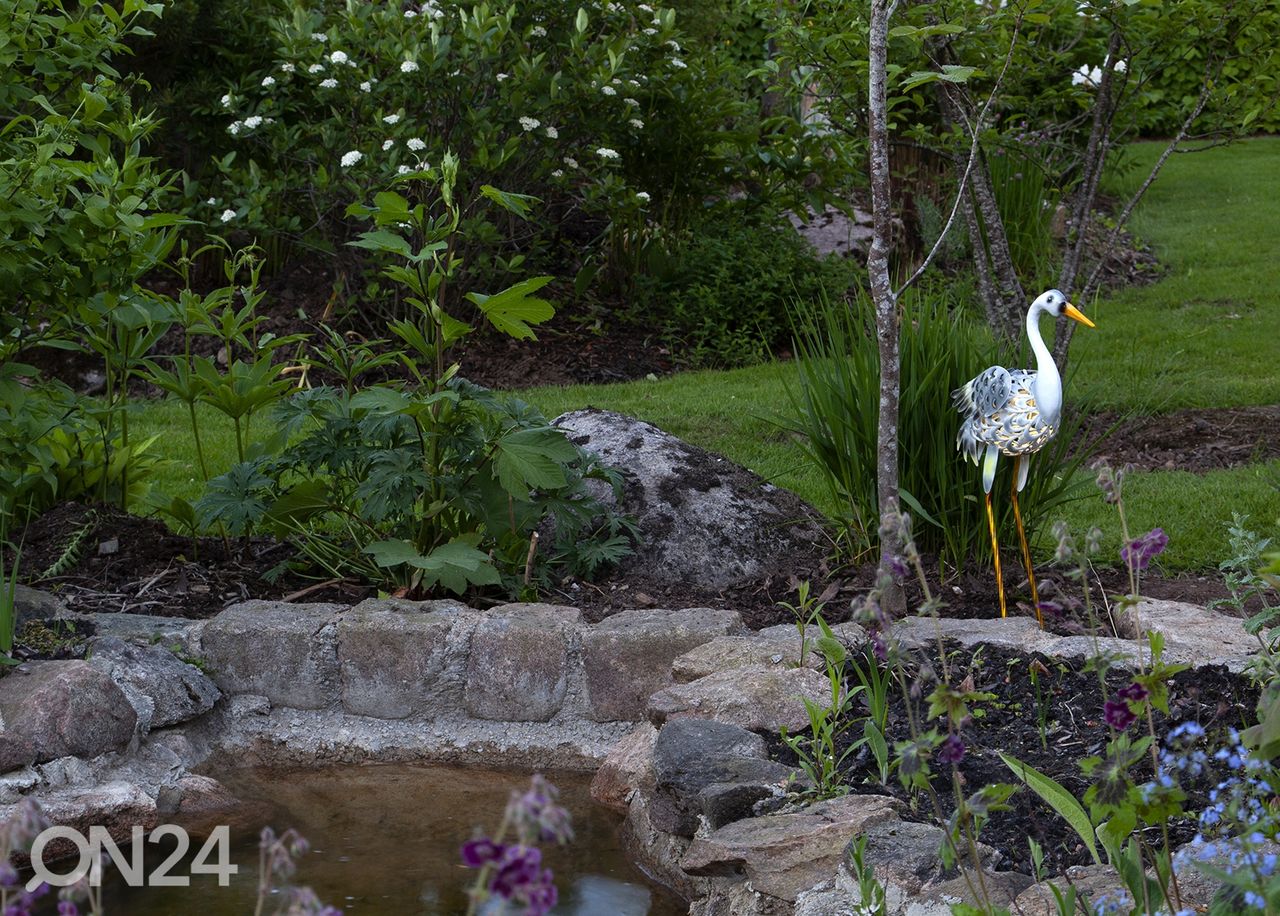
{"x": 1121, "y": 66}
{"x": 330, "y": 83}
{"x": 529, "y": 123}
{"x": 315, "y": 68}
{"x": 235, "y": 127}
{"x": 571, "y": 162}
{"x": 391, "y": 119}
{"x": 642, "y": 196}
{"x": 338, "y": 57}
{"x": 552, "y": 132}
{"x": 673, "y": 45}
{"x": 226, "y": 100}
{"x": 387, "y": 144}
{"x": 410, "y": 14}
{"x": 557, "y": 173}
{"x": 351, "y": 158}
{"x": 650, "y": 31}
{"x": 403, "y": 170}
{"x": 538, "y": 32}
{"x": 319, "y": 36}
{"x": 501, "y": 77}
{"x": 228, "y": 215}
{"x": 415, "y": 144}
{"x": 268, "y": 82}
{"x": 608, "y": 90}
{"x": 287, "y": 67}
{"x": 605, "y": 153}
{"x": 252, "y": 121}
{"x": 645, "y": 7}
{"x": 409, "y": 66}
{"x": 678, "y": 63}
{"x": 366, "y": 86}
{"x": 632, "y": 102}
{"x": 636, "y": 123}
{"x": 212, "y": 201}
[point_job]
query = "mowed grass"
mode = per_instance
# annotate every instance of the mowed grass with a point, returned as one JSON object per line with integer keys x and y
{"x": 1208, "y": 333}
{"x": 1214, "y": 223}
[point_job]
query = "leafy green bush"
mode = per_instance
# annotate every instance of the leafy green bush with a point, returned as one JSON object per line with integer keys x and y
{"x": 54, "y": 447}
{"x": 78, "y": 200}
{"x": 836, "y": 412}
{"x": 721, "y": 291}
{"x": 441, "y": 484}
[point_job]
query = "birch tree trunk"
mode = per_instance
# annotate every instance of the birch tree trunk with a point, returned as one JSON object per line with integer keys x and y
{"x": 886, "y": 306}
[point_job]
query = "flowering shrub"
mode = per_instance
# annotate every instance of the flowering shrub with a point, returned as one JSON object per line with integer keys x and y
{"x": 596, "y": 110}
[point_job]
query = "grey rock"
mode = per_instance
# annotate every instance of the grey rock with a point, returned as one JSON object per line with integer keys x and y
{"x": 905, "y": 856}
{"x": 627, "y": 657}
{"x": 285, "y": 652}
{"x": 1092, "y": 882}
{"x": 393, "y": 656}
{"x": 727, "y": 652}
{"x": 725, "y": 802}
{"x": 117, "y": 805}
{"x": 756, "y": 698}
{"x": 785, "y": 854}
{"x": 692, "y": 754}
{"x": 32, "y": 604}
{"x": 628, "y": 767}
{"x": 164, "y": 690}
{"x": 55, "y": 709}
{"x": 518, "y": 667}
{"x": 171, "y": 632}
{"x": 702, "y": 519}
{"x": 248, "y": 704}
{"x": 1001, "y": 889}
{"x": 1195, "y": 632}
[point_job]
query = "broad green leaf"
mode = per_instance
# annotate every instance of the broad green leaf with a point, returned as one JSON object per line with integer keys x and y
{"x": 1057, "y": 798}
{"x": 514, "y": 309}
{"x": 580, "y": 22}
{"x": 514, "y": 203}
{"x": 531, "y": 459}
{"x": 382, "y": 240}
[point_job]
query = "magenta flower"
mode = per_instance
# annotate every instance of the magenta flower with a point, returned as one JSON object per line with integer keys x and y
{"x": 951, "y": 751}
{"x": 480, "y": 852}
{"x": 1139, "y": 553}
{"x": 1118, "y": 711}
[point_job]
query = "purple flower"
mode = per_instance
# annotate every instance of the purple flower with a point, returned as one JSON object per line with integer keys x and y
{"x": 519, "y": 866}
{"x": 1051, "y": 608}
{"x": 1118, "y": 714}
{"x": 537, "y": 816}
{"x": 68, "y": 908}
{"x": 480, "y": 852}
{"x": 951, "y": 750}
{"x": 1137, "y": 554}
{"x": 878, "y": 647}
{"x": 1135, "y": 693}
{"x": 898, "y": 567}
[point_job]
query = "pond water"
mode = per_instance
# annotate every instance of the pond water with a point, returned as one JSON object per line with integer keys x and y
{"x": 385, "y": 839}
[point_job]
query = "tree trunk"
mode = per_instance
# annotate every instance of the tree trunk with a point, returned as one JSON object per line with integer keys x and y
{"x": 886, "y": 306}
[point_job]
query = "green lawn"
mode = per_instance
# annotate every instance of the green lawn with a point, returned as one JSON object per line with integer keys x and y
{"x": 1213, "y": 220}
{"x": 1207, "y": 334}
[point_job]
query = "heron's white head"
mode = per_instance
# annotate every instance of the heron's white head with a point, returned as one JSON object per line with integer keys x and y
{"x": 1055, "y": 303}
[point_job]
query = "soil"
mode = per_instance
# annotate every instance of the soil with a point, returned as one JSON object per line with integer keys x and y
{"x": 1070, "y": 703}
{"x": 1190, "y": 440}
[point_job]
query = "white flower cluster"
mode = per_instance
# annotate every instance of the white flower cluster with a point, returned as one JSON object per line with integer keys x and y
{"x": 387, "y": 144}
{"x": 571, "y": 162}
{"x": 330, "y": 83}
{"x": 391, "y": 119}
{"x": 351, "y": 158}
{"x": 409, "y": 66}
{"x": 226, "y": 100}
{"x": 537, "y": 32}
{"x": 678, "y": 63}
{"x": 366, "y": 86}
{"x": 605, "y": 153}
{"x": 319, "y": 36}
{"x": 552, "y": 133}
{"x": 268, "y": 82}
{"x": 415, "y": 144}
{"x": 228, "y": 215}
{"x": 636, "y": 123}
{"x": 429, "y": 8}
{"x": 315, "y": 68}
{"x": 642, "y": 196}
{"x": 557, "y": 173}
{"x": 529, "y": 124}
{"x": 340, "y": 57}
{"x": 608, "y": 90}
{"x": 1091, "y": 77}
{"x": 287, "y": 67}
{"x": 632, "y": 102}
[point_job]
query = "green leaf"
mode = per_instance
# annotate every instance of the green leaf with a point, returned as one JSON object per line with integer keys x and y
{"x": 382, "y": 240}
{"x": 532, "y": 459}
{"x": 452, "y": 565}
{"x": 1057, "y": 798}
{"x": 513, "y": 203}
{"x": 580, "y": 23}
{"x": 514, "y": 309}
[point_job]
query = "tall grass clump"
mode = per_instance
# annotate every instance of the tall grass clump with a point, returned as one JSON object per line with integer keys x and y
{"x": 835, "y": 411}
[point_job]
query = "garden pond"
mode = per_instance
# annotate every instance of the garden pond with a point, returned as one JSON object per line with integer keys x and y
{"x": 385, "y": 840}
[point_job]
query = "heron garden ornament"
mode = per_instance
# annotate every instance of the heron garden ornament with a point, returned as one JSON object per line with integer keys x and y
{"x": 1014, "y": 412}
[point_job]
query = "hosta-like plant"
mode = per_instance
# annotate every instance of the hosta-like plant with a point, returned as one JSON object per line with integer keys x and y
{"x": 441, "y": 483}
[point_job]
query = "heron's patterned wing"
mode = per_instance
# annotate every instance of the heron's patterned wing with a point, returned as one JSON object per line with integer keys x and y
{"x": 981, "y": 396}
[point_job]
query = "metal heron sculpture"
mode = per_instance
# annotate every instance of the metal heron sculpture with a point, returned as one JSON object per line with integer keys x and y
{"x": 1014, "y": 412}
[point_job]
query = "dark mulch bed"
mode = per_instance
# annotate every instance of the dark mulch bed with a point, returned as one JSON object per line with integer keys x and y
{"x": 1191, "y": 440}
{"x": 137, "y": 565}
{"x": 1072, "y": 704}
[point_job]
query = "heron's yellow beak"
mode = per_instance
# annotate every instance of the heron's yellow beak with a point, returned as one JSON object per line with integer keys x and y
{"x": 1072, "y": 312}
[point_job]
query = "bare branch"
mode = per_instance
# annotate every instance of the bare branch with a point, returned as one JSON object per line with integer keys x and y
{"x": 975, "y": 132}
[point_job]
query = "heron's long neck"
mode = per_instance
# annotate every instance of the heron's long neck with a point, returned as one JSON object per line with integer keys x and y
{"x": 1047, "y": 386}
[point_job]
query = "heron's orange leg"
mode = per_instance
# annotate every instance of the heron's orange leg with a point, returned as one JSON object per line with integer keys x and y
{"x": 1026, "y": 551}
{"x": 995, "y": 552}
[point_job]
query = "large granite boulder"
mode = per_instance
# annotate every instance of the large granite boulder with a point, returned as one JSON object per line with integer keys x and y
{"x": 55, "y": 709}
{"x": 703, "y": 520}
